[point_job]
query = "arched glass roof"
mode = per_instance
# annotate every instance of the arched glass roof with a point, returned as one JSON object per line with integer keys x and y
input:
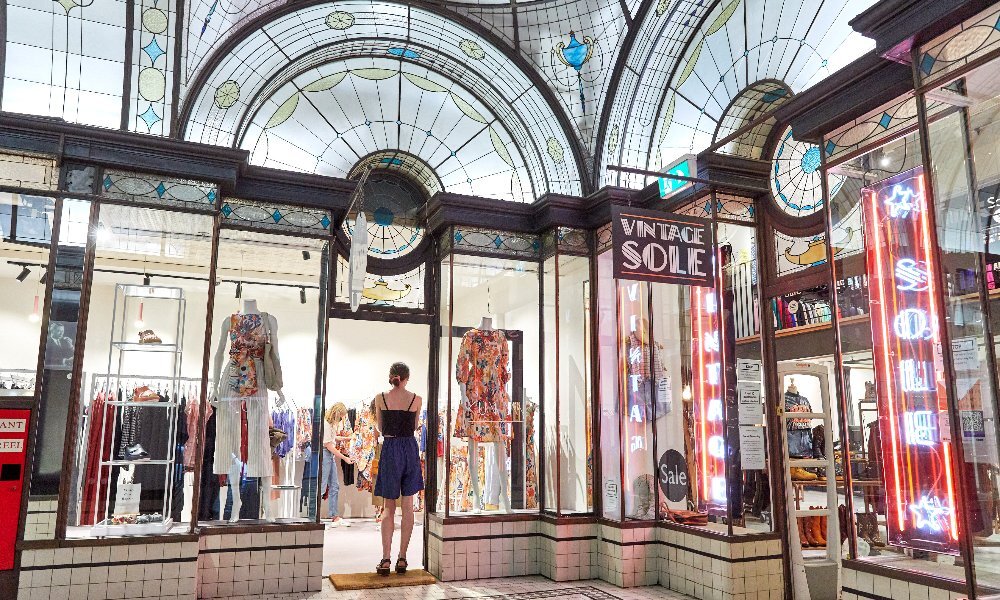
{"x": 691, "y": 59}
{"x": 532, "y": 96}
{"x": 318, "y": 88}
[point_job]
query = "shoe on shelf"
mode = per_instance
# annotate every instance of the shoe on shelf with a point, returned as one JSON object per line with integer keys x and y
{"x": 136, "y": 453}
{"x": 144, "y": 394}
{"x": 800, "y": 474}
{"x": 146, "y": 336}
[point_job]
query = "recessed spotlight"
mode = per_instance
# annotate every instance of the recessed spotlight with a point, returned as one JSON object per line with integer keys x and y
{"x": 884, "y": 162}
{"x": 25, "y": 271}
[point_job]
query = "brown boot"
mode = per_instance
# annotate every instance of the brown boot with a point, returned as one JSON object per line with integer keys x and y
{"x": 814, "y": 540}
{"x": 822, "y": 527}
{"x": 802, "y": 533}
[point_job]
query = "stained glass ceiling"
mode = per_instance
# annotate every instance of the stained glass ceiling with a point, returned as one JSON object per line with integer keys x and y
{"x": 521, "y": 97}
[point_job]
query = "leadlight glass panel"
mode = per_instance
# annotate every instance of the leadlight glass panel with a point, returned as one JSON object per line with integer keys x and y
{"x": 27, "y": 171}
{"x": 405, "y": 290}
{"x": 691, "y": 59}
{"x": 494, "y": 242}
{"x": 796, "y": 254}
{"x": 150, "y": 104}
{"x": 140, "y": 187}
{"x": 959, "y": 46}
{"x": 66, "y": 59}
{"x": 316, "y": 42}
{"x": 273, "y": 216}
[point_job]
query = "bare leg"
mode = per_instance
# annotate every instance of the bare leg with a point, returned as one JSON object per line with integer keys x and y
{"x": 406, "y": 525}
{"x": 388, "y": 525}
{"x": 477, "y": 492}
{"x": 501, "y": 454}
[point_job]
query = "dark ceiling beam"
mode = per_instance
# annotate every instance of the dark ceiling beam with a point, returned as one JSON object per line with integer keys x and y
{"x": 121, "y": 149}
{"x": 898, "y": 25}
{"x": 858, "y": 88}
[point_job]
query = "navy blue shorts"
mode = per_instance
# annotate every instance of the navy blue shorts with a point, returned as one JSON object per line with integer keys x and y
{"x": 399, "y": 472}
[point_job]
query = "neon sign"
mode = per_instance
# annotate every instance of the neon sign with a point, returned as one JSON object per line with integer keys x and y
{"x": 709, "y": 413}
{"x": 912, "y": 397}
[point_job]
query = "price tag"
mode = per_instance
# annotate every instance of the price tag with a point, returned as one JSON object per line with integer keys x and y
{"x": 127, "y": 499}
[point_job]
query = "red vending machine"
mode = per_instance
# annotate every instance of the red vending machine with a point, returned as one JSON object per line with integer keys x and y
{"x": 13, "y": 451}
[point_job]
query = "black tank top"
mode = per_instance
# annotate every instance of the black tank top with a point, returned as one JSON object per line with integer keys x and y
{"x": 398, "y": 423}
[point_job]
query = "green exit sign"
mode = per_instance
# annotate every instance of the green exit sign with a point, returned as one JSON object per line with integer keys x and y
{"x": 684, "y": 168}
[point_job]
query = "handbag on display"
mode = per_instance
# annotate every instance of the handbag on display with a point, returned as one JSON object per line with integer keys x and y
{"x": 277, "y": 436}
{"x": 272, "y": 366}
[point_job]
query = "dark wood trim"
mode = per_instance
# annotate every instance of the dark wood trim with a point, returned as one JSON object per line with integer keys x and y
{"x": 75, "y": 401}
{"x": 206, "y": 361}
{"x": 918, "y": 577}
{"x": 130, "y": 34}
{"x": 121, "y": 149}
{"x": 135, "y": 540}
{"x": 367, "y": 312}
{"x": 211, "y": 528}
{"x": 178, "y": 50}
{"x": 897, "y": 26}
{"x": 580, "y": 519}
{"x": 858, "y": 88}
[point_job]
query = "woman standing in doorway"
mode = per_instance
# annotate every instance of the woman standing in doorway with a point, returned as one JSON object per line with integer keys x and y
{"x": 399, "y": 473}
{"x": 335, "y": 441}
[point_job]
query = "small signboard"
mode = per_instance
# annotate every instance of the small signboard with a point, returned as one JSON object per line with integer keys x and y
{"x": 661, "y": 247}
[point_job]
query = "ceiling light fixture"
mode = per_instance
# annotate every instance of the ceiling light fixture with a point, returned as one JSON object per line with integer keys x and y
{"x": 302, "y": 295}
{"x": 145, "y": 280}
{"x": 25, "y": 271}
{"x": 239, "y": 289}
{"x": 306, "y": 255}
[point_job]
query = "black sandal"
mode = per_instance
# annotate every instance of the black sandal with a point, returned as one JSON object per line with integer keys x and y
{"x": 401, "y": 565}
{"x": 383, "y": 567}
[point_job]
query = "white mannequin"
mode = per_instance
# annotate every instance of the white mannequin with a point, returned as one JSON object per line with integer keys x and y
{"x": 499, "y": 452}
{"x": 249, "y": 308}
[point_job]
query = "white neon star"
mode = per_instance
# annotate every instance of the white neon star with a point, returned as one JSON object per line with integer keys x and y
{"x": 929, "y": 513}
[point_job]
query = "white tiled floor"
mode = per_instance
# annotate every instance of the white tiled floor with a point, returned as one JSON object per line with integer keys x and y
{"x": 357, "y": 549}
{"x": 484, "y": 587}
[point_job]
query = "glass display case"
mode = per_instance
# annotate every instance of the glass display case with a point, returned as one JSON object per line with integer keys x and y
{"x": 683, "y": 436}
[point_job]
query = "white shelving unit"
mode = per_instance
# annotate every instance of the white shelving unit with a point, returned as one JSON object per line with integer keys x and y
{"x": 164, "y": 374}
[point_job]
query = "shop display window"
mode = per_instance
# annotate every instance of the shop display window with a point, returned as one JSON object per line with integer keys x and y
{"x": 489, "y": 399}
{"x": 271, "y": 297}
{"x": 137, "y": 432}
{"x": 894, "y": 402}
{"x": 681, "y": 396}
{"x": 569, "y": 460}
{"x": 26, "y": 229}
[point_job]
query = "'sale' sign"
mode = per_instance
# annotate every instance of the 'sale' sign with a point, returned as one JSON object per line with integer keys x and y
{"x": 661, "y": 247}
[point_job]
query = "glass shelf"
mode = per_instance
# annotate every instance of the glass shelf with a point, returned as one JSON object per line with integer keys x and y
{"x": 137, "y": 347}
{"x": 134, "y": 403}
{"x": 153, "y": 291}
{"x": 125, "y": 463}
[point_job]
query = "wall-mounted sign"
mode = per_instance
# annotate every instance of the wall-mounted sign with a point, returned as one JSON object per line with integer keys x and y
{"x": 661, "y": 247}
{"x": 911, "y": 390}
{"x": 672, "y": 472}
{"x": 684, "y": 167}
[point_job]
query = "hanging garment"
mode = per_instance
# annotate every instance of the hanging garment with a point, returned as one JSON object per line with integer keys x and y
{"x": 484, "y": 367}
{"x": 243, "y": 389}
{"x": 799, "y": 431}
{"x": 95, "y": 483}
{"x": 364, "y": 440}
{"x": 303, "y": 433}
{"x": 530, "y": 457}
{"x": 285, "y": 421}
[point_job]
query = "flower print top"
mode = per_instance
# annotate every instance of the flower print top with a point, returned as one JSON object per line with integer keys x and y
{"x": 484, "y": 367}
{"x": 246, "y": 349}
{"x": 363, "y": 442}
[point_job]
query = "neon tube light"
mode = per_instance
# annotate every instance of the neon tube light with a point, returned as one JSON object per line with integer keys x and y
{"x": 910, "y": 385}
{"x": 709, "y": 385}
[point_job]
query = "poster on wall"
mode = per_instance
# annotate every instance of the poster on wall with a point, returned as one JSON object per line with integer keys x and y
{"x": 661, "y": 247}
{"x": 912, "y": 393}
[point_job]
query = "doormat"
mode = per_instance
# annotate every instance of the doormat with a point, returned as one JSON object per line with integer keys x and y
{"x": 374, "y": 581}
{"x": 567, "y": 593}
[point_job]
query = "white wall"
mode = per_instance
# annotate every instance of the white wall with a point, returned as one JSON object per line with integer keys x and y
{"x": 359, "y": 356}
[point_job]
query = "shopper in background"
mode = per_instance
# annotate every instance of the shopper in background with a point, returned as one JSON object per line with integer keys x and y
{"x": 335, "y": 440}
{"x": 399, "y": 471}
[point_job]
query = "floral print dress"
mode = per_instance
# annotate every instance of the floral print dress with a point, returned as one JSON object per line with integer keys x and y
{"x": 363, "y": 442}
{"x": 484, "y": 367}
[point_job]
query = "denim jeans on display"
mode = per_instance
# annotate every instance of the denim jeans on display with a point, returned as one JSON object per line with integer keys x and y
{"x": 331, "y": 481}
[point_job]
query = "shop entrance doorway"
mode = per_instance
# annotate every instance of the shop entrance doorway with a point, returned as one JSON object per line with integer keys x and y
{"x": 358, "y": 358}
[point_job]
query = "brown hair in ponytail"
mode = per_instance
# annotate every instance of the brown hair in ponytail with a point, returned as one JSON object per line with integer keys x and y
{"x": 398, "y": 373}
